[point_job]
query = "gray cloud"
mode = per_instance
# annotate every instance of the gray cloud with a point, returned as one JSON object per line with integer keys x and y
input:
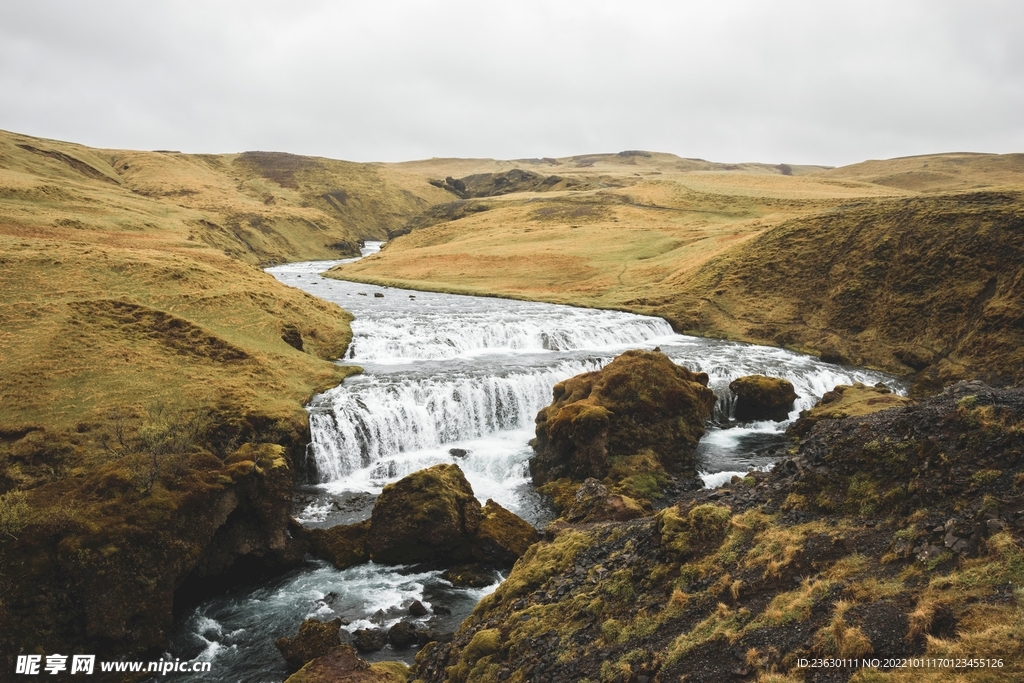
{"x": 802, "y": 82}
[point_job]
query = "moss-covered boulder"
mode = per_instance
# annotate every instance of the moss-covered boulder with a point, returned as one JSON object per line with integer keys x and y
{"x": 429, "y": 515}
{"x": 343, "y": 665}
{"x": 639, "y": 401}
{"x": 314, "y": 639}
{"x": 501, "y": 537}
{"x": 343, "y": 546}
{"x": 762, "y": 398}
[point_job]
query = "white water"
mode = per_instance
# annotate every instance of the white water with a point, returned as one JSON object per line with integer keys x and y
{"x": 446, "y": 372}
{"x": 456, "y": 372}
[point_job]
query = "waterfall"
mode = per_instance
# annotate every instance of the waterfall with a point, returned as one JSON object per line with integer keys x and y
{"x": 403, "y": 339}
{"x": 447, "y": 372}
{"x": 360, "y": 423}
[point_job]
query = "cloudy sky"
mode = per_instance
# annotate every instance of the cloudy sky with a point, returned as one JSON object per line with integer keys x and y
{"x": 796, "y": 82}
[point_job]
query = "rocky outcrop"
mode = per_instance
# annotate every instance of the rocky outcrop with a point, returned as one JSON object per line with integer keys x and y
{"x": 890, "y": 534}
{"x": 593, "y": 502}
{"x": 429, "y": 516}
{"x": 314, "y": 639}
{"x": 762, "y": 398}
{"x": 639, "y": 401}
{"x": 508, "y": 182}
{"x": 848, "y": 401}
{"x": 501, "y": 537}
{"x": 106, "y": 573}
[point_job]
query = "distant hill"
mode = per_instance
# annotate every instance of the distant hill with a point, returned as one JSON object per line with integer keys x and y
{"x": 913, "y": 265}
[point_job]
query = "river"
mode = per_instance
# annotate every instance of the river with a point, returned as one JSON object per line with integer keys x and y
{"x": 452, "y": 378}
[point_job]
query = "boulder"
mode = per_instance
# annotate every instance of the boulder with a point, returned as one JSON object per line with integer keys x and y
{"x": 314, "y": 639}
{"x": 502, "y": 537}
{"x": 403, "y": 634}
{"x": 343, "y": 545}
{"x": 762, "y": 398}
{"x": 429, "y": 515}
{"x": 369, "y": 639}
{"x": 639, "y": 401}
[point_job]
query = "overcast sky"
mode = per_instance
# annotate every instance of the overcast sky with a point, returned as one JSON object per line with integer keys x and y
{"x": 796, "y": 82}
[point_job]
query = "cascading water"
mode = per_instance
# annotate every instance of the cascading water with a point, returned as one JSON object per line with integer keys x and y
{"x": 460, "y": 379}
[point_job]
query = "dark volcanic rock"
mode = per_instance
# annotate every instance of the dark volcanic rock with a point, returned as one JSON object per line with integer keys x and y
{"x": 880, "y": 530}
{"x": 762, "y": 398}
{"x": 314, "y": 639}
{"x": 960, "y": 441}
{"x": 369, "y": 639}
{"x": 470, "y": 576}
{"x": 639, "y": 401}
{"x": 848, "y": 401}
{"x": 403, "y": 634}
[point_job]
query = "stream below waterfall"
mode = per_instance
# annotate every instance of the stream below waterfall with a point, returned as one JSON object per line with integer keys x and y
{"x": 451, "y": 378}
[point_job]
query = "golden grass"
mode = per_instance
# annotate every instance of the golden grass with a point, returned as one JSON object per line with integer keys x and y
{"x": 854, "y": 262}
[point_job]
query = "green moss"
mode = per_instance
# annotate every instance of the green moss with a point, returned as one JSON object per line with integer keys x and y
{"x": 982, "y": 477}
{"x": 702, "y": 528}
{"x": 639, "y": 476}
{"x": 610, "y": 630}
{"x": 483, "y": 643}
{"x": 541, "y": 562}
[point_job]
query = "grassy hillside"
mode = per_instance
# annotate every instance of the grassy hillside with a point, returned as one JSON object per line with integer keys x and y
{"x": 128, "y": 277}
{"x": 141, "y": 346}
{"x": 911, "y": 265}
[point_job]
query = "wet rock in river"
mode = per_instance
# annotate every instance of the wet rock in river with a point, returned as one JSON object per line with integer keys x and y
{"x": 640, "y": 401}
{"x": 429, "y": 515}
{"x": 369, "y": 639}
{"x": 762, "y": 398}
{"x": 314, "y": 639}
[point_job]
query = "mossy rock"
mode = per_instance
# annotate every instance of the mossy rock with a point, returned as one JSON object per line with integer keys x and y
{"x": 314, "y": 639}
{"x": 696, "y": 531}
{"x": 429, "y": 515}
{"x": 762, "y": 398}
{"x": 343, "y": 546}
{"x": 343, "y": 665}
{"x": 502, "y": 537}
{"x": 639, "y": 401}
{"x": 593, "y": 502}
{"x": 854, "y": 400}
